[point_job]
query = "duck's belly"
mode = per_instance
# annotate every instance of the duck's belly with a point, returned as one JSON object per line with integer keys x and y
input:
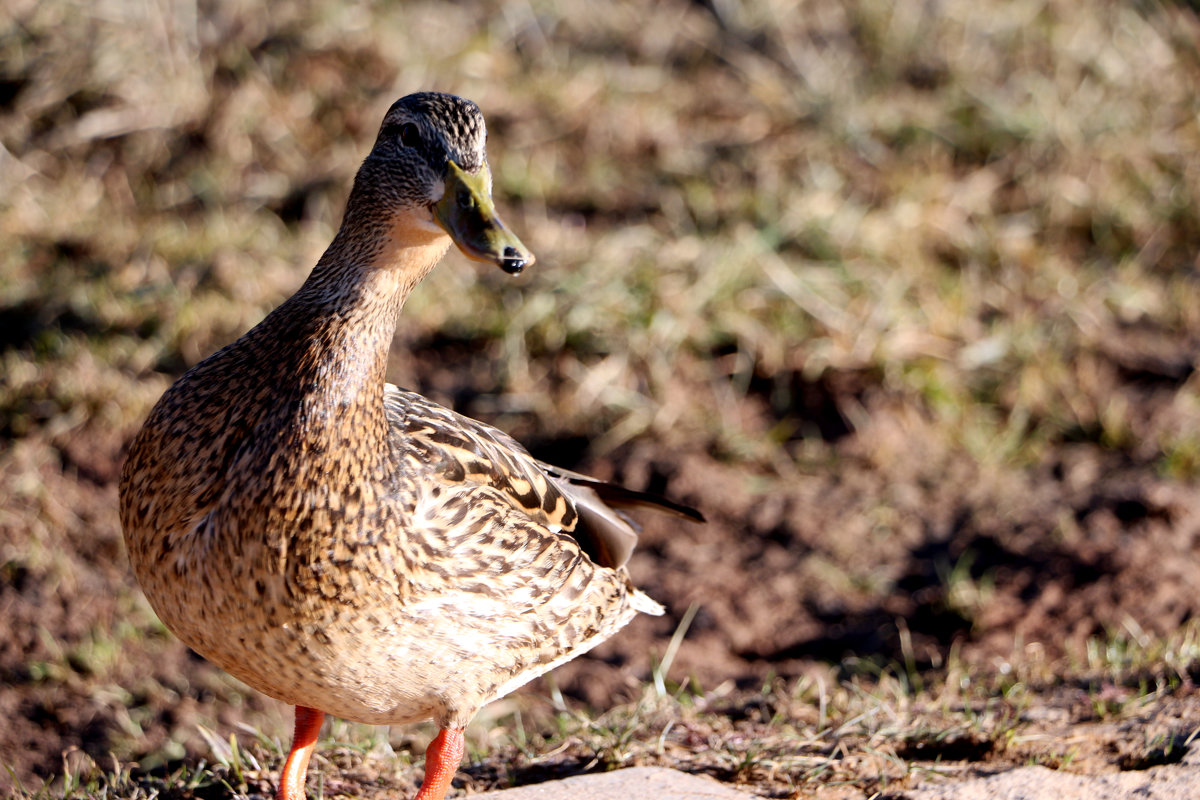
{"x": 346, "y": 670}
{"x": 357, "y": 667}
{"x": 438, "y": 656}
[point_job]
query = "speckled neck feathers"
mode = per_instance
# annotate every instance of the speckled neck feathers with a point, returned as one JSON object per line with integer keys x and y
{"x": 346, "y": 311}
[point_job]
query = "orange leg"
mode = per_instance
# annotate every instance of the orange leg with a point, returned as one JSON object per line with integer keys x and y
{"x": 304, "y": 741}
{"x": 441, "y": 762}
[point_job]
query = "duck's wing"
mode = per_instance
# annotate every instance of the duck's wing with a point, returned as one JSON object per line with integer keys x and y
{"x": 459, "y": 449}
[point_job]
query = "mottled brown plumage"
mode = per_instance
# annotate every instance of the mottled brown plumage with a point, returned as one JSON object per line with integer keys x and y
{"x": 347, "y": 546}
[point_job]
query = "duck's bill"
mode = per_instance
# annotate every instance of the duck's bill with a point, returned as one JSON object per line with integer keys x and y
{"x": 467, "y": 214}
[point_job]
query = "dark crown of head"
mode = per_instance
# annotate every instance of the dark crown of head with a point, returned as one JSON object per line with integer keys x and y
{"x": 457, "y": 121}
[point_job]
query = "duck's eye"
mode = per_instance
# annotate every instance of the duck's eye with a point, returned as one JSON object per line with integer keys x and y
{"x": 410, "y": 136}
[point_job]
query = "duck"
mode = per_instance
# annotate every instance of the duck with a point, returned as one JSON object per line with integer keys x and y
{"x": 347, "y": 546}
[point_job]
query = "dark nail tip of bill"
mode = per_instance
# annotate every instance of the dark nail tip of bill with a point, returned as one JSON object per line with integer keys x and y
{"x": 513, "y": 262}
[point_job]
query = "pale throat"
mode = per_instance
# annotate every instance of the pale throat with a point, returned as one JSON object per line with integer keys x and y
{"x": 412, "y": 245}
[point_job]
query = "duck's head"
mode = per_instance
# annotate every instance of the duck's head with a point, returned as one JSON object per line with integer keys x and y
{"x": 429, "y": 164}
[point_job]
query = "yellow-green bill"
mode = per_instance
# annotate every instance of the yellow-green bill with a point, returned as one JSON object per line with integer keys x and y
{"x": 468, "y": 215}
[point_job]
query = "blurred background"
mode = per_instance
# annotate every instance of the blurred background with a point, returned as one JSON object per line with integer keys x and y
{"x": 904, "y": 296}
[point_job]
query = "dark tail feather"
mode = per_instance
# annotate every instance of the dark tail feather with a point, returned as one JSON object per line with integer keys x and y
{"x": 620, "y": 497}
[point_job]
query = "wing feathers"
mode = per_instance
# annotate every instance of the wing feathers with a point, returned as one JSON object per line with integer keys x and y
{"x": 462, "y": 449}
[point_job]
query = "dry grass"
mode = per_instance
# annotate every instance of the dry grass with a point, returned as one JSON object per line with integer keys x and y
{"x": 964, "y": 205}
{"x": 975, "y": 223}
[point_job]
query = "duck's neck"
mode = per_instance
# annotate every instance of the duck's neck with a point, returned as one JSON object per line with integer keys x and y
{"x": 344, "y": 317}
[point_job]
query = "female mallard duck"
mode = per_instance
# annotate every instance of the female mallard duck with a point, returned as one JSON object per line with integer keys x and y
{"x": 349, "y": 547}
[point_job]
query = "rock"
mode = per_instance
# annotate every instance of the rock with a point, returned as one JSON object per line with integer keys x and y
{"x": 1171, "y": 782}
{"x": 635, "y": 783}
